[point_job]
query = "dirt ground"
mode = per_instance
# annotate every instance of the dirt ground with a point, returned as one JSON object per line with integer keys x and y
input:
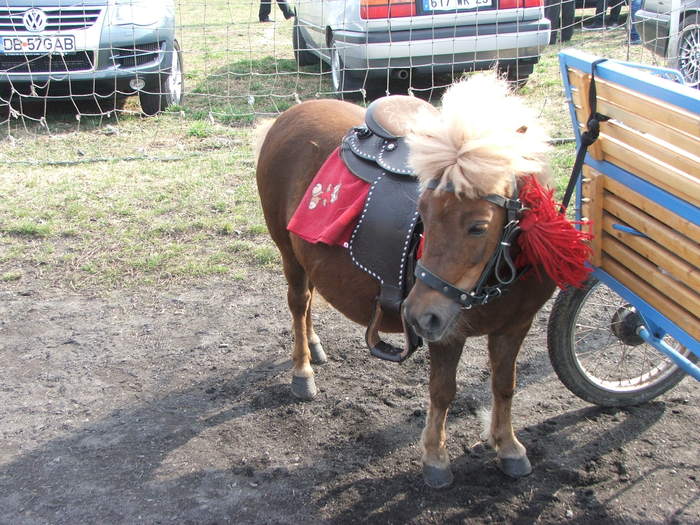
{"x": 173, "y": 406}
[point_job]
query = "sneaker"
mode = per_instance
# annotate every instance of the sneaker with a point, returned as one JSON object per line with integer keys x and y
{"x": 635, "y": 41}
{"x": 594, "y": 27}
{"x": 613, "y": 25}
{"x": 265, "y": 20}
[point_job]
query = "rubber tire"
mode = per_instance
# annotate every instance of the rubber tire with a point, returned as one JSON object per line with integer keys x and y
{"x": 156, "y": 97}
{"x": 517, "y": 74}
{"x": 5, "y": 104}
{"x": 345, "y": 84}
{"x": 302, "y": 55}
{"x": 691, "y": 22}
{"x": 563, "y": 359}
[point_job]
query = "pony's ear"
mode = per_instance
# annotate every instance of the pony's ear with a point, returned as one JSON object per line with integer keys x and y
{"x": 521, "y": 129}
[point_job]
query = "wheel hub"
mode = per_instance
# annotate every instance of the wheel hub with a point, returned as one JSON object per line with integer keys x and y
{"x": 624, "y": 324}
{"x": 689, "y": 56}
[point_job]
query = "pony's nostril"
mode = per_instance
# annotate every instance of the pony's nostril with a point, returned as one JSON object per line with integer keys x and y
{"x": 429, "y": 322}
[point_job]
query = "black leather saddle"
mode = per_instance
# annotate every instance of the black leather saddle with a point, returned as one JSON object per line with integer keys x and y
{"x": 386, "y": 237}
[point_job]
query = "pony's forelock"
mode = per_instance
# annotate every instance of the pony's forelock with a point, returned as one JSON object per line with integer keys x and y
{"x": 482, "y": 138}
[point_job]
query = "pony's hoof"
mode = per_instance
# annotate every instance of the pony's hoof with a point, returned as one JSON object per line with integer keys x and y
{"x": 515, "y": 467}
{"x": 304, "y": 388}
{"x": 318, "y": 356}
{"x": 436, "y": 477}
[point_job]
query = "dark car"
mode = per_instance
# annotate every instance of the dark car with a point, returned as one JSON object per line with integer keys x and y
{"x": 671, "y": 28}
{"x": 100, "y": 49}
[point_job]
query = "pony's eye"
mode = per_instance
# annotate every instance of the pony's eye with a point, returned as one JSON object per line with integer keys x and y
{"x": 478, "y": 229}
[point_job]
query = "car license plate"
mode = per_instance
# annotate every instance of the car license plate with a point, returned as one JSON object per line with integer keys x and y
{"x": 454, "y": 5}
{"x": 38, "y": 44}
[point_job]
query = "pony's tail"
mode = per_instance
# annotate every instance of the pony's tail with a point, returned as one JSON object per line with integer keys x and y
{"x": 259, "y": 134}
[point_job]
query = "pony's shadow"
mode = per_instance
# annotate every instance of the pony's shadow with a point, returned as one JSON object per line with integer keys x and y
{"x": 104, "y": 463}
{"x": 88, "y": 474}
{"x": 479, "y": 487}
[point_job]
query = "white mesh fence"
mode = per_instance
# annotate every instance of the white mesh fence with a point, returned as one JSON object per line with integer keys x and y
{"x": 214, "y": 59}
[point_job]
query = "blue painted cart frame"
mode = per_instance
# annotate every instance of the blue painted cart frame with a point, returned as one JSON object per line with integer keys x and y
{"x": 657, "y": 325}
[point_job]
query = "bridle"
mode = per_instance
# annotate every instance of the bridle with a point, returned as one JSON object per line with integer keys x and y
{"x": 500, "y": 267}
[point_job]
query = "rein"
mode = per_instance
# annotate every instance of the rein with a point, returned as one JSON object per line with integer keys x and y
{"x": 483, "y": 293}
{"x": 588, "y": 137}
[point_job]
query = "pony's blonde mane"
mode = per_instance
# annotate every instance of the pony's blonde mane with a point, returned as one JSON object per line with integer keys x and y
{"x": 483, "y": 136}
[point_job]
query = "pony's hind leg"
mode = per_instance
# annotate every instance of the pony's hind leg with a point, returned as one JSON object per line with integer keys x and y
{"x": 318, "y": 355}
{"x": 443, "y": 386}
{"x": 498, "y": 431}
{"x": 299, "y": 300}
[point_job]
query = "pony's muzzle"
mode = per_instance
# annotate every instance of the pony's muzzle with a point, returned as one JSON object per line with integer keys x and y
{"x": 430, "y": 314}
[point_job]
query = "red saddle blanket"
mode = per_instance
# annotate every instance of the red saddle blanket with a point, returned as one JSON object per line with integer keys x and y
{"x": 331, "y": 205}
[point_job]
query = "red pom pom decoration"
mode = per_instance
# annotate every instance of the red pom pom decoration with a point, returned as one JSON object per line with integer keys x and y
{"x": 548, "y": 239}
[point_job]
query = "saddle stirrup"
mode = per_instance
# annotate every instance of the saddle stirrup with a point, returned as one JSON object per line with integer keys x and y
{"x": 386, "y": 351}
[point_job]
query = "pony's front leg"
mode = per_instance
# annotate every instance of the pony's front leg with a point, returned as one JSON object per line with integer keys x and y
{"x": 512, "y": 456}
{"x": 443, "y": 385}
{"x": 299, "y": 300}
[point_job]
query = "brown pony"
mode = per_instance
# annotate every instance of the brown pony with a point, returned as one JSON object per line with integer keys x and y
{"x": 482, "y": 142}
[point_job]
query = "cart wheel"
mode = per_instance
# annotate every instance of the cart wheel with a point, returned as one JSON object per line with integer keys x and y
{"x": 596, "y": 352}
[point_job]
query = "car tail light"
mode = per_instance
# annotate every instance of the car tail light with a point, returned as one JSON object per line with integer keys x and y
{"x": 512, "y": 4}
{"x": 387, "y": 8}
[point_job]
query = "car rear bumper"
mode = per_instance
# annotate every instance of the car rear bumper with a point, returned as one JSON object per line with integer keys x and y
{"x": 467, "y": 45}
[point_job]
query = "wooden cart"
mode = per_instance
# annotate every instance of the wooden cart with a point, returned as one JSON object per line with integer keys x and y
{"x": 633, "y": 331}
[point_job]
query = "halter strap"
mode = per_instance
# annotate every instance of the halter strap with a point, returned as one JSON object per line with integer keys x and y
{"x": 501, "y": 258}
{"x": 512, "y": 205}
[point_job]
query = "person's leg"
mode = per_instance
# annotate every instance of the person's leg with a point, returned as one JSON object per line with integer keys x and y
{"x": 284, "y": 7}
{"x": 264, "y": 12}
{"x": 635, "y": 6}
{"x": 615, "y": 12}
{"x": 598, "y": 21}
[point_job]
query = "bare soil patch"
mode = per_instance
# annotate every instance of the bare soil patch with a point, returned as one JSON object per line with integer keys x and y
{"x": 173, "y": 406}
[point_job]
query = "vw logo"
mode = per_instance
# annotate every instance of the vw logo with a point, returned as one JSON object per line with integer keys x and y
{"x": 34, "y": 20}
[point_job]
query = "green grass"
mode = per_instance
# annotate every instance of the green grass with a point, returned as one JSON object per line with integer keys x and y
{"x": 11, "y": 276}
{"x": 117, "y": 200}
{"x": 118, "y": 223}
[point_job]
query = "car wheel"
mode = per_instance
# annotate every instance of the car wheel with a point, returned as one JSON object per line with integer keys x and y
{"x": 164, "y": 89}
{"x": 303, "y": 56}
{"x": 517, "y": 75}
{"x": 345, "y": 84}
{"x": 689, "y": 51}
{"x": 5, "y": 102}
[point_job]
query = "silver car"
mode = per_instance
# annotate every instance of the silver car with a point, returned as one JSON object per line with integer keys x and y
{"x": 365, "y": 41}
{"x": 671, "y": 28}
{"x": 100, "y": 49}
